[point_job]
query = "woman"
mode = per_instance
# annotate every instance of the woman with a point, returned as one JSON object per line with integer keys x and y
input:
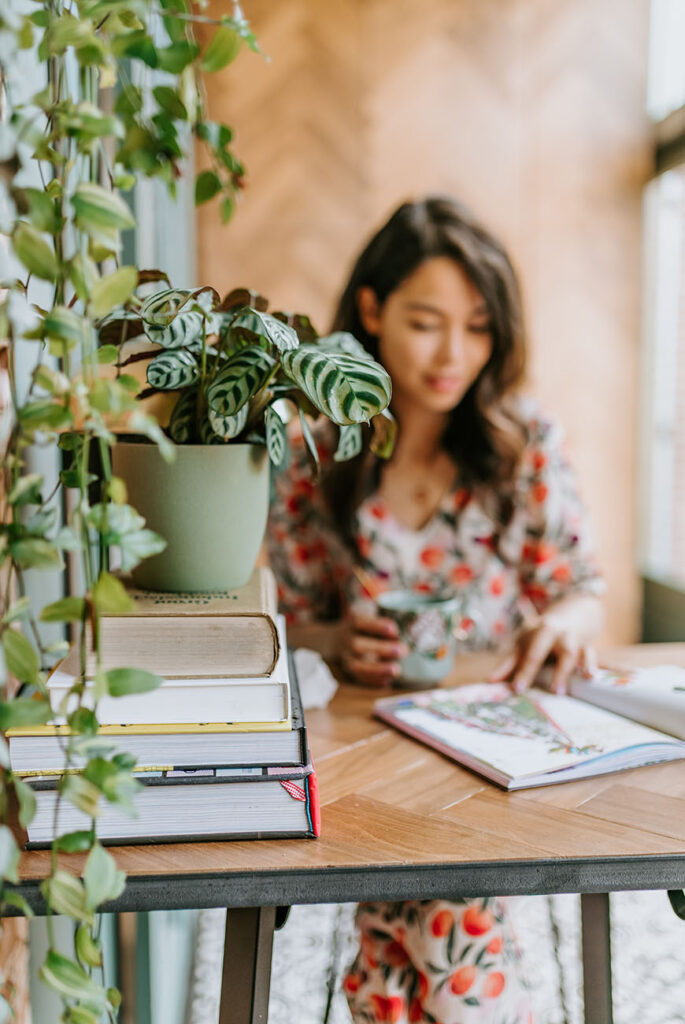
{"x": 477, "y": 497}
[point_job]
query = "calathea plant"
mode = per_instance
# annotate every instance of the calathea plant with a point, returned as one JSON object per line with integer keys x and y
{"x": 236, "y": 368}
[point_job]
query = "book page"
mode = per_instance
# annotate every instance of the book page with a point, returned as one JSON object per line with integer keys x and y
{"x": 654, "y": 696}
{"x": 518, "y": 735}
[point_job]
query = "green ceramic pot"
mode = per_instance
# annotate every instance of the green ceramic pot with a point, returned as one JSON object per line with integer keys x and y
{"x": 210, "y": 505}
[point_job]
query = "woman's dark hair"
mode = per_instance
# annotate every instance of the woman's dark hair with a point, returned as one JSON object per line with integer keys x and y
{"x": 484, "y": 434}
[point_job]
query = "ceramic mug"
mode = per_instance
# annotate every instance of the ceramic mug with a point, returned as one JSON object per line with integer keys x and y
{"x": 429, "y": 626}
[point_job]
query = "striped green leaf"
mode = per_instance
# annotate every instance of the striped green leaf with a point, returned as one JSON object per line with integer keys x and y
{"x": 184, "y": 417}
{"x": 161, "y": 308}
{"x": 229, "y": 426}
{"x": 384, "y": 431}
{"x": 349, "y": 443}
{"x": 276, "y": 441}
{"x": 243, "y": 375}
{"x": 208, "y": 435}
{"x": 310, "y": 442}
{"x": 171, "y": 370}
{"x": 184, "y": 331}
{"x": 344, "y": 388}
{"x": 343, "y": 341}
{"x": 281, "y": 336}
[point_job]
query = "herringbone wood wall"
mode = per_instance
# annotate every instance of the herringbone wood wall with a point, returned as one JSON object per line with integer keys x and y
{"x": 529, "y": 110}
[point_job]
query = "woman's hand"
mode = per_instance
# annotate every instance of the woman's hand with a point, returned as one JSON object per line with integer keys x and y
{"x": 370, "y": 649}
{"x": 537, "y": 642}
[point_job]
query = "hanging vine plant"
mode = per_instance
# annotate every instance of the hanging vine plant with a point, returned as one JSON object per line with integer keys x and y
{"x": 67, "y": 152}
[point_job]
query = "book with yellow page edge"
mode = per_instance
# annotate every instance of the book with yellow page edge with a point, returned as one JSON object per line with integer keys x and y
{"x": 537, "y": 738}
{"x": 195, "y": 635}
{"x": 38, "y": 750}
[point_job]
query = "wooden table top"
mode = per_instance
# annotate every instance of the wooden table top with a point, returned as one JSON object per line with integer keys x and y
{"x": 401, "y": 821}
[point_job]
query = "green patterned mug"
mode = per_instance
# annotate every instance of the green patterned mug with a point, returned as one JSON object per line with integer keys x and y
{"x": 429, "y": 626}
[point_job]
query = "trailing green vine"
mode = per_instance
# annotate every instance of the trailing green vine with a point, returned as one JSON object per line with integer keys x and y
{"x": 123, "y": 92}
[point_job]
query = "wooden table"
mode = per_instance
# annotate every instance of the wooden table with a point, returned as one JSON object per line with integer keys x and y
{"x": 402, "y": 822}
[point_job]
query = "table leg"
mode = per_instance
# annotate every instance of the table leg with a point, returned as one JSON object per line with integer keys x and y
{"x": 596, "y": 939}
{"x": 247, "y": 965}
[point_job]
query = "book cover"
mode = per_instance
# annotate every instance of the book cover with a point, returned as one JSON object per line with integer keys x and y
{"x": 195, "y": 634}
{"x": 523, "y": 740}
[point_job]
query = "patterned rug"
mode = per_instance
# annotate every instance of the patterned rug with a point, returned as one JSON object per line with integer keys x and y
{"x": 648, "y": 947}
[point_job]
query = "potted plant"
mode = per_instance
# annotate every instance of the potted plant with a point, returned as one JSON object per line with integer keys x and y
{"x": 237, "y": 373}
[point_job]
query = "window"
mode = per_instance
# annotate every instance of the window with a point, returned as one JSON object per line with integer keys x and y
{"x": 662, "y": 475}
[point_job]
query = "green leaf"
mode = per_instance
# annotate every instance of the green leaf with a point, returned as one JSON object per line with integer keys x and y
{"x": 96, "y": 207}
{"x": 172, "y": 370}
{"x": 42, "y": 210}
{"x": 227, "y": 427}
{"x": 170, "y": 101}
{"x": 242, "y": 376}
{"x": 64, "y": 325}
{"x": 15, "y": 900}
{"x": 74, "y": 842}
{"x": 67, "y": 609}
{"x": 20, "y": 656}
{"x": 122, "y": 681}
{"x": 80, "y": 1015}
{"x": 26, "y": 799}
{"x": 183, "y": 419}
{"x": 26, "y": 490}
{"x": 83, "y": 721}
{"x": 102, "y": 879}
{"x": 177, "y": 56}
{"x": 36, "y": 553}
{"x": 281, "y": 336}
{"x": 309, "y": 441}
{"x": 384, "y": 433}
{"x": 344, "y": 388}
{"x": 207, "y": 185}
{"x": 21, "y": 712}
{"x": 88, "y": 949}
{"x": 82, "y": 793}
{"x": 19, "y": 609}
{"x": 344, "y": 343}
{"x": 276, "y": 441}
{"x": 70, "y": 981}
{"x": 185, "y": 331}
{"x": 9, "y": 855}
{"x": 224, "y": 47}
{"x": 349, "y": 443}
{"x": 107, "y": 354}
{"x": 67, "y": 895}
{"x": 113, "y": 290}
{"x": 35, "y": 253}
{"x": 110, "y": 596}
{"x": 45, "y": 414}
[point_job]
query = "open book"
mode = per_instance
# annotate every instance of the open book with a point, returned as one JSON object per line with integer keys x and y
{"x": 538, "y": 738}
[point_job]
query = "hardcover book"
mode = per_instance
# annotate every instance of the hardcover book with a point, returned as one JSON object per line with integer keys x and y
{"x": 263, "y": 699}
{"x": 204, "y": 804}
{"x": 538, "y": 738}
{"x": 34, "y": 750}
{"x": 196, "y": 635}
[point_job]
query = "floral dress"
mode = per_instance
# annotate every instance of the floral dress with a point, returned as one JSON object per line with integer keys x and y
{"x": 437, "y": 961}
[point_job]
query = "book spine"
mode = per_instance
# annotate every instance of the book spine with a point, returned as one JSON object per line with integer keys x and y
{"x": 313, "y": 805}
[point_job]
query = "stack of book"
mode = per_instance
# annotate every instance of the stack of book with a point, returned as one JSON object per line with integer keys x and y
{"x": 221, "y": 747}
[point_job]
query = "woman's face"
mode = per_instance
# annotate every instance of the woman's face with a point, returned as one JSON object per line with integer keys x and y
{"x": 434, "y": 334}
